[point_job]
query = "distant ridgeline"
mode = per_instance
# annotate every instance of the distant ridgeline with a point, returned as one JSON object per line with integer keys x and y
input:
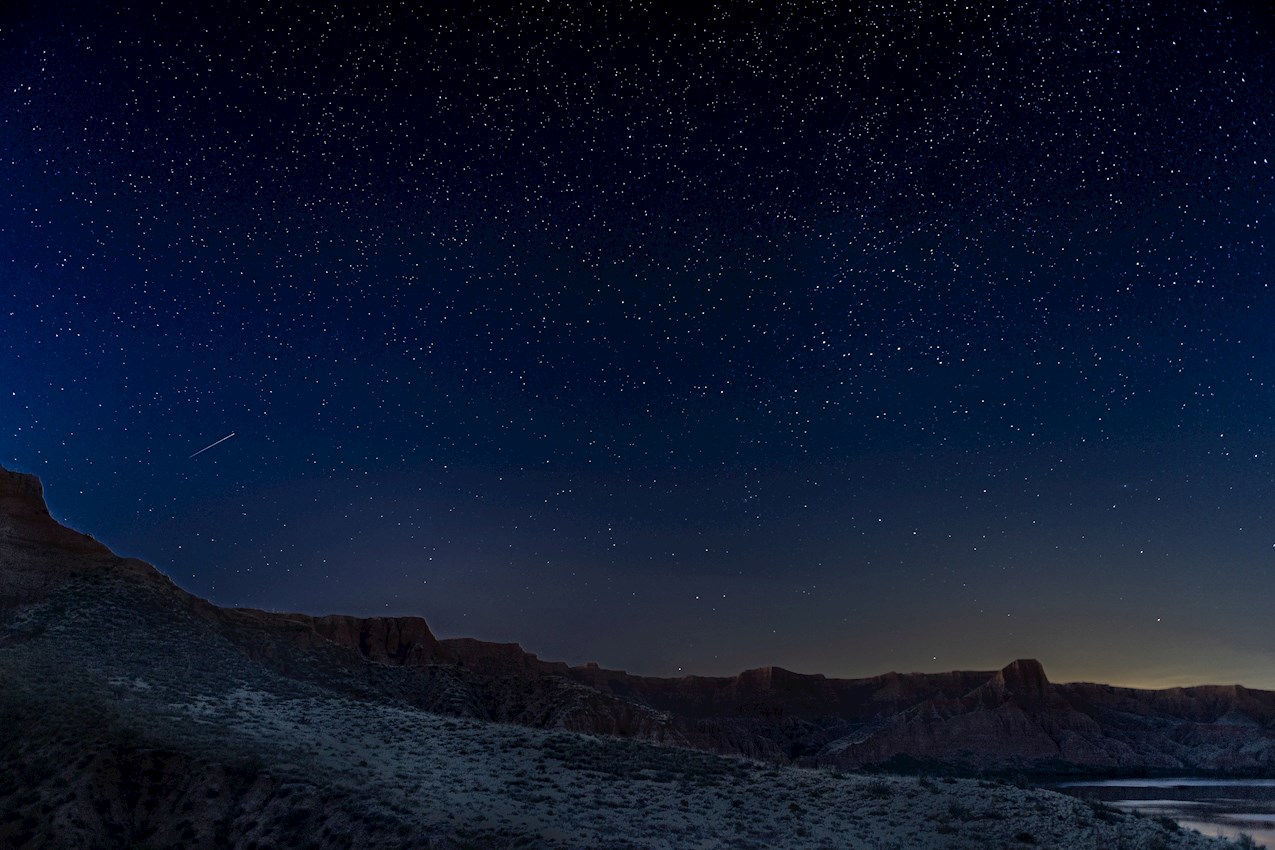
{"x": 1012, "y": 719}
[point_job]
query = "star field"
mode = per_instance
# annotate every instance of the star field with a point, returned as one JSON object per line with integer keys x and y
{"x": 908, "y": 336}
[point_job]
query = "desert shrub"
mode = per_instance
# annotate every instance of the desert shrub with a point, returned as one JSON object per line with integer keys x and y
{"x": 880, "y": 790}
{"x": 1102, "y": 812}
{"x": 1019, "y": 780}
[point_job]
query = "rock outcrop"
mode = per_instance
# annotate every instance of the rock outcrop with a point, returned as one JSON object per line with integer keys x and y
{"x": 386, "y": 640}
{"x": 25, "y": 521}
{"x": 37, "y": 553}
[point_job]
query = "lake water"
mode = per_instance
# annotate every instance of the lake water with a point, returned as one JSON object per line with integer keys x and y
{"x": 1213, "y": 806}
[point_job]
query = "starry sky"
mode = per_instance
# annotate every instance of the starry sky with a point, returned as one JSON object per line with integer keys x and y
{"x": 840, "y": 337}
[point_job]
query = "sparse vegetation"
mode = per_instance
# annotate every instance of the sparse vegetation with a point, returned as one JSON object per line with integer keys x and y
{"x": 880, "y": 789}
{"x": 208, "y": 744}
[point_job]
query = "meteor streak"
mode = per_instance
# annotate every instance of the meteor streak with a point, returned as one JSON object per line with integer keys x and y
{"x": 209, "y": 446}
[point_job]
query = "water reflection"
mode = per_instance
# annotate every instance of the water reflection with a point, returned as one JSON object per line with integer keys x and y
{"x": 1225, "y": 807}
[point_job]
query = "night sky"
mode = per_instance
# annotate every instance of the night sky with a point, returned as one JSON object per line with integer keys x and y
{"x": 906, "y": 337}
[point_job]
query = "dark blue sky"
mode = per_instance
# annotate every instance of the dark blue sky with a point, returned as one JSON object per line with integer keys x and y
{"x": 909, "y": 337}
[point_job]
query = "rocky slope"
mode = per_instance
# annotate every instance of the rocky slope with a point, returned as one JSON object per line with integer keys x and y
{"x": 1013, "y": 718}
{"x": 1009, "y": 719}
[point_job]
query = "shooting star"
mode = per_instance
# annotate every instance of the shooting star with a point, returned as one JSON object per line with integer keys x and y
{"x": 218, "y": 443}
